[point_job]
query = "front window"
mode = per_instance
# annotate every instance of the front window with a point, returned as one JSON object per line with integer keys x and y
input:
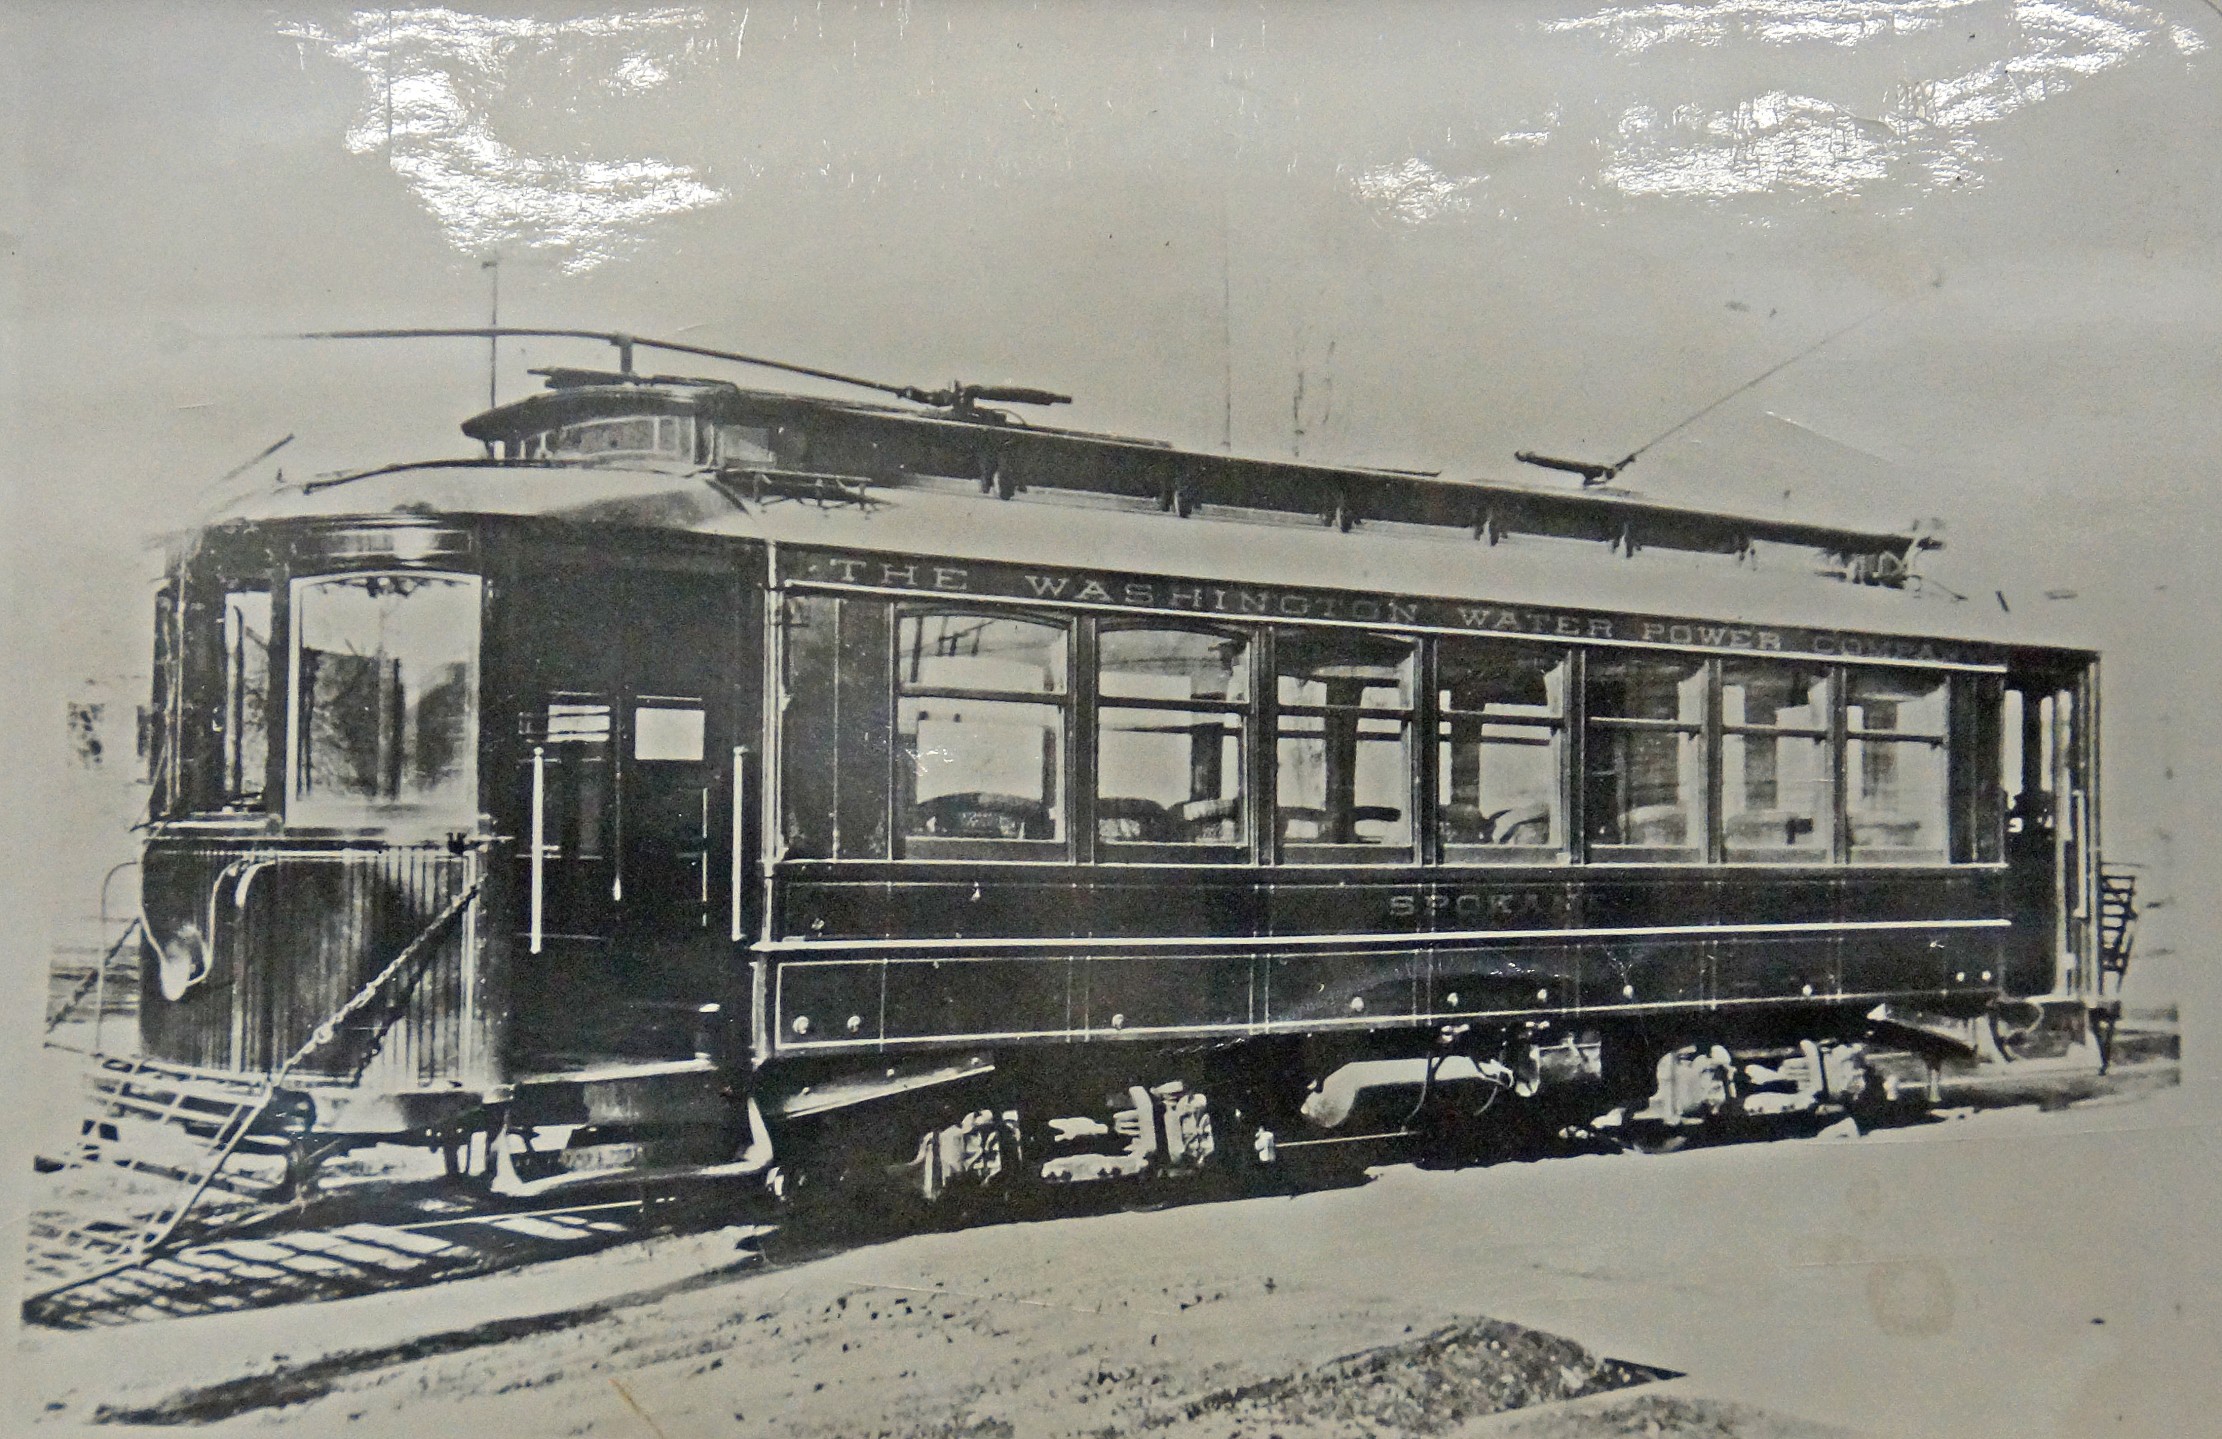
{"x": 385, "y": 668}
{"x": 245, "y": 730}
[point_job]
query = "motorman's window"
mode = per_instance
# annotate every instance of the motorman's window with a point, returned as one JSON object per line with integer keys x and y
{"x": 981, "y": 704}
{"x": 1344, "y": 754}
{"x": 1644, "y": 786}
{"x": 1895, "y": 772}
{"x": 1500, "y": 746}
{"x": 1777, "y": 790}
{"x": 386, "y": 698}
{"x": 1171, "y": 725}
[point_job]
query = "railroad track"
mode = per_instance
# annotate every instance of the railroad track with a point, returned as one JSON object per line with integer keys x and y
{"x": 377, "y": 1238}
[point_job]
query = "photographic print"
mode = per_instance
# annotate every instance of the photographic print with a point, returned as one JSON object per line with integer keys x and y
{"x": 1232, "y": 721}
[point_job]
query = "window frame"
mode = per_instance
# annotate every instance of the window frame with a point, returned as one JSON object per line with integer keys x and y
{"x": 1243, "y": 849}
{"x": 1561, "y": 728}
{"x": 1829, "y": 732}
{"x": 468, "y": 811}
{"x": 1942, "y": 742}
{"x": 1576, "y": 733}
{"x": 240, "y": 787}
{"x": 1066, "y": 702}
{"x": 1317, "y": 854}
{"x": 1704, "y": 847}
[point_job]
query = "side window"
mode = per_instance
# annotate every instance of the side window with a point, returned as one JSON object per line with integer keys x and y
{"x": 835, "y": 726}
{"x": 1897, "y": 789}
{"x": 1343, "y": 754}
{"x": 245, "y": 763}
{"x": 1778, "y": 790}
{"x": 982, "y": 707}
{"x": 1500, "y": 747}
{"x": 1644, "y": 786}
{"x": 1171, "y": 741}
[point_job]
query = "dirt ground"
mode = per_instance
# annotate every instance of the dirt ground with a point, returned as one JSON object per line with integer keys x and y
{"x": 1803, "y": 1288}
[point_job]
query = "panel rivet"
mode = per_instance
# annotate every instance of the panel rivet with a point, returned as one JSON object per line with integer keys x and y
{"x": 1451, "y": 999}
{"x": 1357, "y": 1002}
{"x": 1986, "y": 974}
{"x": 802, "y": 1024}
{"x": 856, "y": 1022}
{"x": 1543, "y": 994}
{"x": 1118, "y": 1021}
{"x": 1627, "y": 991}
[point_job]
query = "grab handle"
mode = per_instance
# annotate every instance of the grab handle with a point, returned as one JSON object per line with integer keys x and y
{"x": 740, "y": 832}
{"x": 539, "y": 839}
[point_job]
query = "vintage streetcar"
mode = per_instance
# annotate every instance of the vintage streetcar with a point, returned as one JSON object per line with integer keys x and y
{"x": 710, "y": 780}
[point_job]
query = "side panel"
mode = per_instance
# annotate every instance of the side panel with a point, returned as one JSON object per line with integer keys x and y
{"x": 289, "y": 935}
{"x": 1107, "y": 912}
{"x": 1223, "y": 955}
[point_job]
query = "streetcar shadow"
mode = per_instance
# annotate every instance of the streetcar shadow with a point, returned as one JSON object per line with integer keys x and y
{"x": 400, "y": 1236}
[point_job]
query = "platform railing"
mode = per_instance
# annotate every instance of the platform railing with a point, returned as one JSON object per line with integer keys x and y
{"x": 2117, "y": 922}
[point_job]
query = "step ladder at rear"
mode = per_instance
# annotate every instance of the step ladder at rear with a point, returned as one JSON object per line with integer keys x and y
{"x": 165, "y": 1137}
{"x": 2117, "y": 920}
{"x": 158, "y": 1139}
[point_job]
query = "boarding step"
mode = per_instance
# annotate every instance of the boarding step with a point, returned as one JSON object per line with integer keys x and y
{"x": 2117, "y": 919}
{"x": 170, "y": 1138}
{"x": 89, "y": 971}
{"x": 167, "y": 1122}
{"x": 158, "y": 1141}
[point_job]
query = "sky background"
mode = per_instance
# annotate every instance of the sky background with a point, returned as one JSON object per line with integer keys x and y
{"x": 1401, "y": 235}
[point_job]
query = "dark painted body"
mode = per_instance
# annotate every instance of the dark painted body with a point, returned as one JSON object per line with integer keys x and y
{"x": 686, "y": 933}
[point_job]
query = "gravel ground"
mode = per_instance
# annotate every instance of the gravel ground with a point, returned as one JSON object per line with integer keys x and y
{"x": 2011, "y": 1273}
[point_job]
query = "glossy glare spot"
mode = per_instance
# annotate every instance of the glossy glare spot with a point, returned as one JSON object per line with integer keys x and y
{"x": 434, "y": 83}
{"x": 1921, "y": 130}
{"x": 1414, "y": 191}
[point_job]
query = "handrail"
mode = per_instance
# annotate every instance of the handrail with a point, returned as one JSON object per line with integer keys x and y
{"x": 739, "y": 835}
{"x": 539, "y": 840}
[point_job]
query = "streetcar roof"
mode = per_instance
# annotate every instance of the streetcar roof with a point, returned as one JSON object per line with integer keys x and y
{"x": 1776, "y": 585}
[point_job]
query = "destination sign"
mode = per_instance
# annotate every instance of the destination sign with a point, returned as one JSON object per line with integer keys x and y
{"x": 1107, "y": 589}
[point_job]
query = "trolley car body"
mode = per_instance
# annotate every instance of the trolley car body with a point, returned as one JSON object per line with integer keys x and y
{"x": 781, "y": 752}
